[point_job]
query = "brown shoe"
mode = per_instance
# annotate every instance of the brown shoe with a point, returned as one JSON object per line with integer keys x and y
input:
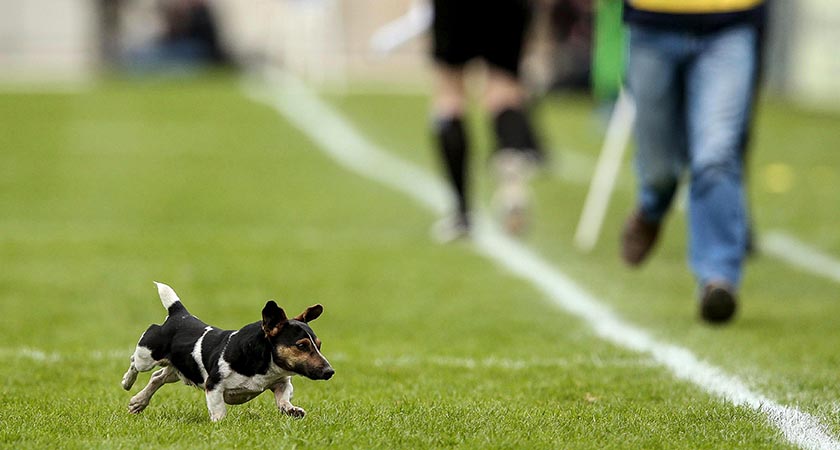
{"x": 717, "y": 302}
{"x": 638, "y": 238}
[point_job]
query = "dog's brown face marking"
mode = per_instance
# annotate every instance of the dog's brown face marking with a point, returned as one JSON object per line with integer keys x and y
{"x": 296, "y": 348}
{"x": 272, "y": 332}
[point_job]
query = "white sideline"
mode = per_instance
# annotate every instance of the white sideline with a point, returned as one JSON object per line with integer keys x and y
{"x": 798, "y": 254}
{"x": 41, "y": 356}
{"x": 337, "y": 137}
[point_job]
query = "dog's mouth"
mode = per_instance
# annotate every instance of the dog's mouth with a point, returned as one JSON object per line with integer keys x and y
{"x": 309, "y": 366}
{"x": 313, "y": 372}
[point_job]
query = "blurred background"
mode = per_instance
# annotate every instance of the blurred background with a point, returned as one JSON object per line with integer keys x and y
{"x": 330, "y": 41}
{"x": 125, "y": 158}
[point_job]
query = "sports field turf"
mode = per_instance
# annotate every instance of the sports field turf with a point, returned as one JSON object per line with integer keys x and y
{"x": 191, "y": 183}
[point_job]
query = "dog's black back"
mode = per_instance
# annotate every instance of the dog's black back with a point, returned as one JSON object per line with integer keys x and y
{"x": 175, "y": 340}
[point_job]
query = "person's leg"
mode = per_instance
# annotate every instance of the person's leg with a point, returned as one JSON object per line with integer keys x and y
{"x": 504, "y": 99}
{"x": 655, "y": 82}
{"x": 719, "y": 83}
{"x": 517, "y": 151}
{"x": 449, "y": 103}
{"x": 505, "y": 25}
{"x": 453, "y": 46}
{"x": 758, "y": 48}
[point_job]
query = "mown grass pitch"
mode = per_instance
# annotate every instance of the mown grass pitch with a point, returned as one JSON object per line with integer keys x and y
{"x": 192, "y": 184}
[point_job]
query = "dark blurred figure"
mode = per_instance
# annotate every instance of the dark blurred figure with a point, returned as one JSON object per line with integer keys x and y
{"x": 493, "y": 32}
{"x": 571, "y": 25}
{"x": 109, "y": 23}
{"x": 692, "y": 72}
{"x": 190, "y": 38}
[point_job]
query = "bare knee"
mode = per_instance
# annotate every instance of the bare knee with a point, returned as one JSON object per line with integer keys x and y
{"x": 450, "y": 96}
{"x": 502, "y": 92}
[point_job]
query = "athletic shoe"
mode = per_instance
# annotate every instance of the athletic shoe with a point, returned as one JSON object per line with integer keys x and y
{"x": 638, "y": 238}
{"x": 717, "y": 302}
{"x": 512, "y": 199}
{"x": 451, "y": 228}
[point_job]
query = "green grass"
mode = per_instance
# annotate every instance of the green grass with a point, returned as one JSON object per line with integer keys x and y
{"x": 189, "y": 183}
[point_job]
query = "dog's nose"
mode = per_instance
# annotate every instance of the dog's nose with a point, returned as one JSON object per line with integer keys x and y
{"x": 328, "y": 373}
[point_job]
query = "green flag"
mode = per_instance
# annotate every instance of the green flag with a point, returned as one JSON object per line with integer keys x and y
{"x": 608, "y": 49}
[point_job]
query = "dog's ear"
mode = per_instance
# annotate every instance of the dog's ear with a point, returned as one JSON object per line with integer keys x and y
{"x": 273, "y": 318}
{"x": 310, "y": 314}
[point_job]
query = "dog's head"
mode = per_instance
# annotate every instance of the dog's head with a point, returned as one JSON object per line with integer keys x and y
{"x": 294, "y": 345}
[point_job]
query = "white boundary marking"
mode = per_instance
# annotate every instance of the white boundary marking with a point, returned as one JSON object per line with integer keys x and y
{"x": 41, "y": 356}
{"x": 339, "y": 139}
{"x": 800, "y": 255}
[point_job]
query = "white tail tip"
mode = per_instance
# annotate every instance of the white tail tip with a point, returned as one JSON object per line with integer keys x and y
{"x": 167, "y": 295}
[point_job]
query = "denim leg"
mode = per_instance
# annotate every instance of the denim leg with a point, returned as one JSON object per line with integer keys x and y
{"x": 719, "y": 84}
{"x": 654, "y": 82}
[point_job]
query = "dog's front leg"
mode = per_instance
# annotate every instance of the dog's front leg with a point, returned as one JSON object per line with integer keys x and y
{"x": 282, "y": 396}
{"x": 216, "y": 403}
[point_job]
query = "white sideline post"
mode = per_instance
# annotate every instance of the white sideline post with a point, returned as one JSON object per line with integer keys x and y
{"x": 606, "y": 172}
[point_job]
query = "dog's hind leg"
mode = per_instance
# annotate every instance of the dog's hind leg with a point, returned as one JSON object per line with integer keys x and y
{"x": 141, "y": 361}
{"x": 130, "y": 375}
{"x": 140, "y": 401}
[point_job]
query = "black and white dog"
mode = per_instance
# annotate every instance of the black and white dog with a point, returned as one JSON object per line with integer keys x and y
{"x": 231, "y": 366}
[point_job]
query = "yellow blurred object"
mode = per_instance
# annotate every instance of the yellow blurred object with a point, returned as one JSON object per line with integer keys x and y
{"x": 694, "y": 6}
{"x": 778, "y": 178}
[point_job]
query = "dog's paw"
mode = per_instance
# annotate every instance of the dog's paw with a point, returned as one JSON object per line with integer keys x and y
{"x": 294, "y": 411}
{"x": 137, "y": 404}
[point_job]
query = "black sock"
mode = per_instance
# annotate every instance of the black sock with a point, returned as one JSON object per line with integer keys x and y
{"x": 514, "y": 131}
{"x": 452, "y": 143}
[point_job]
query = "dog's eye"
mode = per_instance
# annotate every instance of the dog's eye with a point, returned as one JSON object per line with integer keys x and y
{"x": 301, "y": 346}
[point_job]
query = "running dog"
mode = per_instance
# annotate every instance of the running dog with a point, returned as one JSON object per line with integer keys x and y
{"x": 231, "y": 366}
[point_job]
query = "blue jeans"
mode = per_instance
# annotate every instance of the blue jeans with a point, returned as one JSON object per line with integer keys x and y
{"x": 693, "y": 95}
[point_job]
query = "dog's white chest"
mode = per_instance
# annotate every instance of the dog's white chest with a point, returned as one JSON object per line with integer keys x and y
{"x": 239, "y": 388}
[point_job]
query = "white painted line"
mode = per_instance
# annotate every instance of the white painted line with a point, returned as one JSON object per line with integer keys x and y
{"x": 800, "y": 255}
{"x": 44, "y": 357}
{"x": 339, "y": 139}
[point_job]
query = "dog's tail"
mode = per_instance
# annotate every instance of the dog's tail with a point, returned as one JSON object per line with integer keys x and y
{"x": 167, "y": 296}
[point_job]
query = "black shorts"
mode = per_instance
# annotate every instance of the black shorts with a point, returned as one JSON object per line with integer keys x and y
{"x": 492, "y": 30}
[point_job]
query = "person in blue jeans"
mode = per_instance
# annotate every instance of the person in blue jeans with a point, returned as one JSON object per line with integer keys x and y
{"x": 691, "y": 70}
